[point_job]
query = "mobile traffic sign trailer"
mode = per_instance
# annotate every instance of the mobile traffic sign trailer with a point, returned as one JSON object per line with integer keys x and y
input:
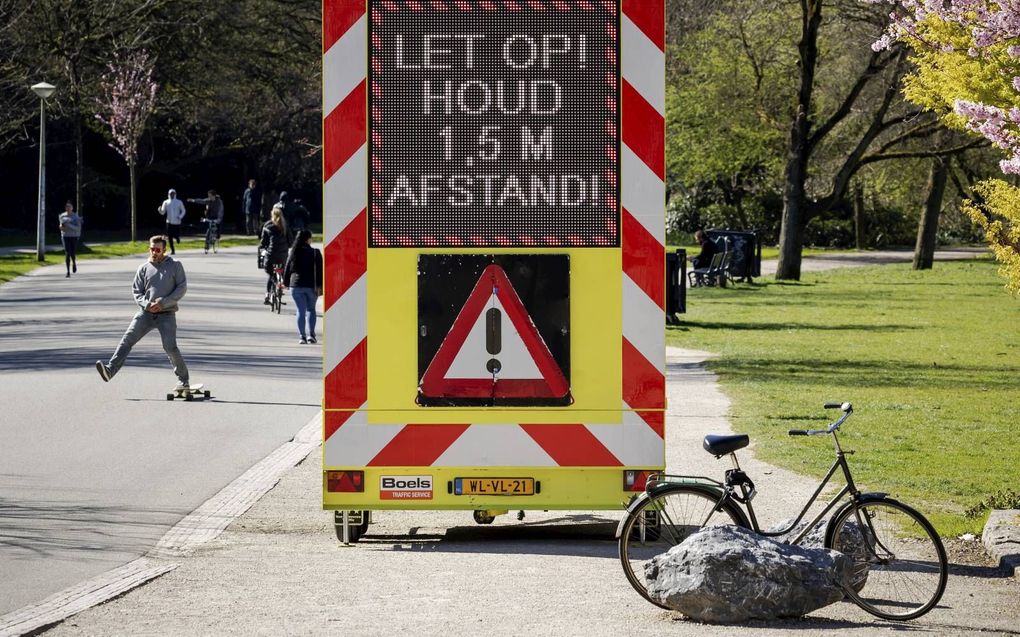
{"x": 494, "y": 229}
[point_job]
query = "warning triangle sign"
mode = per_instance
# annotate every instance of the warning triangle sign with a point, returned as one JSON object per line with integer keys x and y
{"x": 493, "y": 349}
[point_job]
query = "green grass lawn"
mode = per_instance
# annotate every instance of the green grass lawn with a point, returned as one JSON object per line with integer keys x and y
{"x": 931, "y": 361}
{"x": 13, "y": 265}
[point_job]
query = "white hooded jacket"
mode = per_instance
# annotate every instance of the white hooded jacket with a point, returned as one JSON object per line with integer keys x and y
{"x": 173, "y": 208}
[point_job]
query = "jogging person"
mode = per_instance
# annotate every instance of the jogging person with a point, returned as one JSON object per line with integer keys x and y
{"x": 158, "y": 287}
{"x": 70, "y": 231}
{"x": 173, "y": 209}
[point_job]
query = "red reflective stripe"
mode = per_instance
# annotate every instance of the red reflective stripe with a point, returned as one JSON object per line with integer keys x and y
{"x": 333, "y": 420}
{"x": 644, "y": 386}
{"x": 337, "y": 17}
{"x": 650, "y": 17}
{"x": 344, "y": 131}
{"x": 644, "y": 259}
{"x": 572, "y": 445}
{"x": 417, "y": 445}
{"x": 656, "y": 420}
{"x": 346, "y": 259}
{"x": 345, "y": 386}
{"x": 644, "y": 130}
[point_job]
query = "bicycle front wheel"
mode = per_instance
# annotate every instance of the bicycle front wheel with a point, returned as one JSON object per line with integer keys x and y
{"x": 900, "y": 567}
{"x": 665, "y": 519}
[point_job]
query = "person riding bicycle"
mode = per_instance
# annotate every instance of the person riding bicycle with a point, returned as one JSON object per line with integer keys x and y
{"x": 275, "y": 240}
{"x": 213, "y": 216}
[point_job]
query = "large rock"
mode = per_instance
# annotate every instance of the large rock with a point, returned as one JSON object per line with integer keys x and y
{"x": 728, "y": 574}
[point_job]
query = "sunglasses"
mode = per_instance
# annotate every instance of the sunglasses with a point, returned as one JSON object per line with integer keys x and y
{"x": 155, "y": 249}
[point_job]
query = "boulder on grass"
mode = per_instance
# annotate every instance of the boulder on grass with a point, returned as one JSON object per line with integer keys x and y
{"x": 727, "y": 574}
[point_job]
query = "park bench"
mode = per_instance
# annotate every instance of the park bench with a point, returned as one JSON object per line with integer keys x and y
{"x": 716, "y": 273}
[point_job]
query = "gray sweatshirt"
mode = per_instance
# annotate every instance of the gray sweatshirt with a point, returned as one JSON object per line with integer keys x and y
{"x": 163, "y": 282}
{"x": 70, "y": 224}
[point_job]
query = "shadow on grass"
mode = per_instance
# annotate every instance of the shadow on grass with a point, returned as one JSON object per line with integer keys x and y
{"x": 866, "y": 373}
{"x": 759, "y": 326}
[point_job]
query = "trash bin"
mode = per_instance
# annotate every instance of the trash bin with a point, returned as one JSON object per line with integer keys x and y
{"x": 746, "y": 261}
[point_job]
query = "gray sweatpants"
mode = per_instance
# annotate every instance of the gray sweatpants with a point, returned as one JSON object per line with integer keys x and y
{"x": 142, "y": 324}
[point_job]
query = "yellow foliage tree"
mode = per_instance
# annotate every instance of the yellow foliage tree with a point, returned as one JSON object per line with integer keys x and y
{"x": 968, "y": 70}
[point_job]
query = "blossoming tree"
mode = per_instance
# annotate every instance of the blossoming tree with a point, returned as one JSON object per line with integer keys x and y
{"x": 126, "y": 98}
{"x": 968, "y": 59}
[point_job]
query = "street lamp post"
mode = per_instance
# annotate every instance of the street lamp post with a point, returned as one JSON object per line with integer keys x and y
{"x": 43, "y": 90}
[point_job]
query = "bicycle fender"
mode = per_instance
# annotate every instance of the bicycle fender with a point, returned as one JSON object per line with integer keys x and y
{"x": 862, "y": 498}
{"x": 634, "y": 503}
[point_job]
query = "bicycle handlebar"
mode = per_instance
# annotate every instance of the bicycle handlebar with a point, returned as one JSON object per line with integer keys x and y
{"x": 847, "y": 409}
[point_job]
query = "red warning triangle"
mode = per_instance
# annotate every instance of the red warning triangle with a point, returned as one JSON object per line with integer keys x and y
{"x": 468, "y": 365}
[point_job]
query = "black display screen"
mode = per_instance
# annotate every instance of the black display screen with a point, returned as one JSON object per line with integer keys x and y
{"x": 494, "y": 123}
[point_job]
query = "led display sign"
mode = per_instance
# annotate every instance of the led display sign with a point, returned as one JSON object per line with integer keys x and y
{"x": 494, "y": 123}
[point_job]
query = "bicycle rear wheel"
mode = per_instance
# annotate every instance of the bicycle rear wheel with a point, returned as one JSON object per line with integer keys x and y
{"x": 900, "y": 570}
{"x": 662, "y": 521}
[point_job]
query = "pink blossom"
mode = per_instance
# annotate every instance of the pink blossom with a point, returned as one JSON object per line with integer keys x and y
{"x": 127, "y": 96}
{"x": 990, "y": 23}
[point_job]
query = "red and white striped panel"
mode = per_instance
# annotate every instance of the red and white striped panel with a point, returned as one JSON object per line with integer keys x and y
{"x": 345, "y": 201}
{"x": 349, "y": 440}
{"x": 643, "y": 166}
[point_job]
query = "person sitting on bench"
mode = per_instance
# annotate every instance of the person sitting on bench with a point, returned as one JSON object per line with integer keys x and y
{"x": 708, "y": 250}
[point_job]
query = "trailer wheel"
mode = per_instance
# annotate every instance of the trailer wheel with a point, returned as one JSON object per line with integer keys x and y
{"x": 356, "y": 530}
{"x": 483, "y": 517}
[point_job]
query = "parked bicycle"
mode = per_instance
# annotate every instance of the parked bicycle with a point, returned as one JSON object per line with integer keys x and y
{"x": 900, "y": 567}
{"x": 276, "y": 301}
{"x": 212, "y": 235}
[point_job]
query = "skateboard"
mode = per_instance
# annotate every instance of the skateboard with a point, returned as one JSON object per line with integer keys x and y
{"x": 189, "y": 393}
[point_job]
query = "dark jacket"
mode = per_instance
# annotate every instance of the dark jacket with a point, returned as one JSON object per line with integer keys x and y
{"x": 252, "y": 201}
{"x": 704, "y": 258}
{"x": 275, "y": 241}
{"x": 296, "y": 215}
{"x": 304, "y": 267}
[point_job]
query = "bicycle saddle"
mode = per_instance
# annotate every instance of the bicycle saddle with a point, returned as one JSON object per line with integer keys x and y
{"x": 719, "y": 446}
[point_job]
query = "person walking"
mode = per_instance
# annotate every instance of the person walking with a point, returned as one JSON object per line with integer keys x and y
{"x": 275, "y": 239}
{"x": 173, "y": 209}
{"x": 303, "y": 274}
{"x": 158, "y": 287}
{"x": 294, "y": 213}
{"x": 70, "y": 231}
{"x": 213, "y": 216}
{"x": 251, "y": 204}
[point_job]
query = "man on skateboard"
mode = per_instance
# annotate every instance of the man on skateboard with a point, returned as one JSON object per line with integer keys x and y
{"x": 159, "y": 285}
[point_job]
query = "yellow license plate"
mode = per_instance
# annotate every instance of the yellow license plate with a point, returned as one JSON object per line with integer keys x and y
{"x": 494, "y": 486}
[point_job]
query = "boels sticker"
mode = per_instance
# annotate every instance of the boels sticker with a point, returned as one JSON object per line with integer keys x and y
{"x": 405, "y": 488}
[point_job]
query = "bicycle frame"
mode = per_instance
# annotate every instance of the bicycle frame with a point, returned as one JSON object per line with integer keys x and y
{"x": 728, "y": 491}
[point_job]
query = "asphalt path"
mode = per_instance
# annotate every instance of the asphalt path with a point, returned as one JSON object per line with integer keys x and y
{"x": 92, "y": 474}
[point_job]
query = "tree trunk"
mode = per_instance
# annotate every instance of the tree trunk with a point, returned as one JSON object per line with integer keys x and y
{"x": 927, "y": 229}
{"x": 791, "y": 232}
{"x": 79, "y": 166}
{"x": 134, "y": 209}
{"x": 859, "y": 239}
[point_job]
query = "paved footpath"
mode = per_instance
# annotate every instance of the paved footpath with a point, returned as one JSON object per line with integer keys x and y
{"x": 278, "y": 568}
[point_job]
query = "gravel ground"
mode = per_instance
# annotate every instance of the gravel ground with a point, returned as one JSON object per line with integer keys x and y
{"x": 278, "y": 569}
